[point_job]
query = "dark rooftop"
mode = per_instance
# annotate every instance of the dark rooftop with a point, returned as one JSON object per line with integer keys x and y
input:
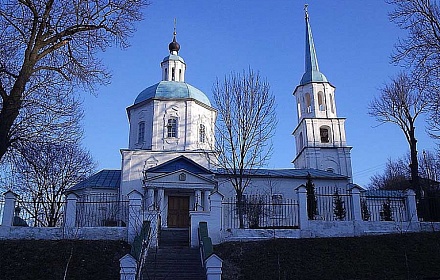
{"x": 288, "y": 173}
{"x": 104, "y": 179}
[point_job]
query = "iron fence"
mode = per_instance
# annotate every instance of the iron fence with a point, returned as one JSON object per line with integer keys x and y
{"x": 333, "y": 204}
{"x": 101, "y": 211}
{"x": 428, "y": 208}
{"x": 383, "y": 206}
{"x": 37, "y": 213}
{"x": 261, "y": 211}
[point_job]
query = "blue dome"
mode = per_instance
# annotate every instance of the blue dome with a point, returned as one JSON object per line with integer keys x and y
{"x": 313, "y": 76}
{"x": 172, "y": 90}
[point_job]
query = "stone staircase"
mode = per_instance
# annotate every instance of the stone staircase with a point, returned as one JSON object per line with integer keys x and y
{"x": 174, "y": 259}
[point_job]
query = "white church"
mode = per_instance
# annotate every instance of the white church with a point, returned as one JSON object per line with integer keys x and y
{"x": 170, "y": 165}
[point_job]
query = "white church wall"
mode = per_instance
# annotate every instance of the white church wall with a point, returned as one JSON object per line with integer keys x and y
{"x": 276, "y": 186}
{"x": 190, "y": 114}
{"x": 139, "y": 114}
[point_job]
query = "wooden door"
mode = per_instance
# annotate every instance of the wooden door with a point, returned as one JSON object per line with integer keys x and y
{"x": 178, "y": 211}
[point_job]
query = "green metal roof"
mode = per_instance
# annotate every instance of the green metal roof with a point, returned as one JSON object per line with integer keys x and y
{"x": 172, "y": 90}
{"x": 173, "y": 57}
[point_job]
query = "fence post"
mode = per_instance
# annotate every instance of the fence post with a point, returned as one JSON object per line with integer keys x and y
{"x": 356, "y": 203}
{"x": 9, "y": 208}
{"x": 216, "y": 219}
{"x": 213, "y": 265}
{"x": 70, "y": 212}
{"x": 128, "y": 266}
{"x": 411, "y": 206}
{"x": 134, "y": 214}
{"x": 301, "y": 191}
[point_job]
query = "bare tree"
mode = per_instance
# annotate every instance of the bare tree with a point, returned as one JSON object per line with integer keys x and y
{"x": 420, "y": 50}
{"x": 247, "y": 121}
{"x": 396, "y": 176}
{"x": 401, "y": 102}
{"x": 397, "y": 173}
{"x": 49, "y": 47}
{"x": 430, "y": 165}
{"x": 43, "y": 172}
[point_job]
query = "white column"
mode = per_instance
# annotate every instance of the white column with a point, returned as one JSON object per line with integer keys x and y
{"x": 198, "y": 200}
{"x": 411, "y": 206}
{"x": 213, "y": 265}
{"x": 206, "y": 200}
{"x": 356, "y": 203}
{"x": 161, "y": 203}
{"x": 151, "y": 214}
{"x": 9, "y": 208}
{"x": 70, "y": 214}
{"x": 135, "y": 218}
{"x": 216, "y": 218}
{"x": 302, "y": 205}
{"x": 150, "y": 199}
{"x": 128, "y": 267}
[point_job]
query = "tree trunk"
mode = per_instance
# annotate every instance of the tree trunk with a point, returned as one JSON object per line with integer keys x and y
{"x": 11, "y": 109}
{"x": 8, "y": 115}
{"x": 240, "y": 208}
{"x": 414, "y": 165}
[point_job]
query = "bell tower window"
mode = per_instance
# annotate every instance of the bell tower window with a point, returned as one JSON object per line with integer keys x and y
{"x": 166, "y": 75}
{"x": 324, "y": 132}
{"x": 308, "y": 103}
{"x": 172, "y": 127}
{"x": 321, "y": 101}
{"x": 173, "y": 74}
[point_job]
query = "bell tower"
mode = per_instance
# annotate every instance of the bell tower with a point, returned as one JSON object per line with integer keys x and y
{"x": 320, "y": 134}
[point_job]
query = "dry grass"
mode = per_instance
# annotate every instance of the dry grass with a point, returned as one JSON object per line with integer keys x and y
{"x": 403, "y": 256}
{"x": 41, "y": 259}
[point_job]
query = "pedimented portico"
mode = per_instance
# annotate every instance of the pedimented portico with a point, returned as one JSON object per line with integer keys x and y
{"x": 177, "y": 187}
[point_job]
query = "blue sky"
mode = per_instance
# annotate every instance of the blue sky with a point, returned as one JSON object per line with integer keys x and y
{"x": 353, "y": 39}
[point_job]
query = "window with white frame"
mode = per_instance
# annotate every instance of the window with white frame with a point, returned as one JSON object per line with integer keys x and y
{"x": 172, "y": 127}
{"x": 202, "y": 133}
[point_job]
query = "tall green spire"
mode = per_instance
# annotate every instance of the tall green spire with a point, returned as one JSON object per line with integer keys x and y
{"x": 312, "y": 73}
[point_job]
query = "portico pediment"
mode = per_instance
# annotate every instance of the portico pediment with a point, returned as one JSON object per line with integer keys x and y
{"x": 180, "y": 179}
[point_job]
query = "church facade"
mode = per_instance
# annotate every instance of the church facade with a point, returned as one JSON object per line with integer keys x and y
{"x": 170, "y": 161}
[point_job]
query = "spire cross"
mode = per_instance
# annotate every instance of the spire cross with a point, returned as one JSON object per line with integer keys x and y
{"x": 175, "y": 23}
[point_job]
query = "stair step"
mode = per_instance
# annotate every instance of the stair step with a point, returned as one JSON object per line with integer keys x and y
{"x": 174, "y": 238}
{"x": 174, "y": 263}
